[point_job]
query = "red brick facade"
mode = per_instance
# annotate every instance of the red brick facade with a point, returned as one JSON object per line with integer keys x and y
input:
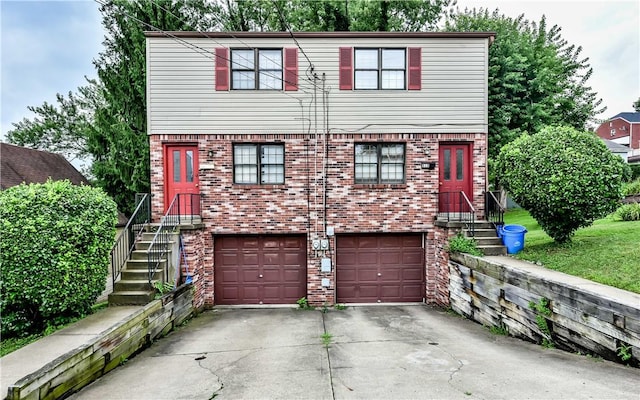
{"x": 619, "y": 128}
{"x": 309, "y": 204}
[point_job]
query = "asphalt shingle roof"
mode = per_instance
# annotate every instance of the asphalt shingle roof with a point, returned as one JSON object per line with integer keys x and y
{"x": 629, "y": 116}
{"x": 20, "y": 164}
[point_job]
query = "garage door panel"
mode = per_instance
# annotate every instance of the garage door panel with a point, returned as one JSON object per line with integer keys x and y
{"x": 293, "y": 243}
{"x": 292, "y": 275}
{"x": 249, "y": 294}
{"x": 229, "y": 259}
{"x": 391, "y": 258}
{"x": 412, "y": 257}
{"x": 348, "y": 257}
{"x": 269, "y": 269}
{"x": 399, "y": 259}
{"x": 391, "y": 275}
{"x": 370, "y": 291}
{"x": 345, "y": 276}
{"x": 294, "y": 259}
{"x": 348, "y": 242}
{"x": 412, "y": 274}
{"x": 414, "y": 241}
{"x": 412, "y": 290}
{"x": 369, "y": 257}
{"x": 367, "y": 275}
{"x": 389, "y": 241}
{"x": 249, "y": 275}
{"x": 367, "y": 242}
{"x": 391, "y": 291}
{"x": 247, "y": 259}
{"x": 347, "y": 292}
{"x": 271, "y": 259}
{"x": 230, "y": 275}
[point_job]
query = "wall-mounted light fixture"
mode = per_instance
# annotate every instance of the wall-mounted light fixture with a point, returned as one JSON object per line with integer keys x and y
{"x": 210, "y": 154}
{"x": 428, "y": 165}
{"x": 427, "y": 151}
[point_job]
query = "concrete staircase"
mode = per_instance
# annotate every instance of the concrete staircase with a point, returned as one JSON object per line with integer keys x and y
{"x": 487, "y": 239}
{"x": 134, "y": 288}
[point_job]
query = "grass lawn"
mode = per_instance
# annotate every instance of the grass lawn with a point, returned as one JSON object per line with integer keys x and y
{"x": 607, "y": 252}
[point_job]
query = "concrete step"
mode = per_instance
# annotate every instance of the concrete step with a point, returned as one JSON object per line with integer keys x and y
{"x": 142, "y": 254}
{"x": 140, "y": 275}
{"x": 149, "y": 236}
{"x": 144, "y": 245}
{"x": 493, "y": 250}
{"x": 485, "y": 233}
{"x": 136, "y": 265}
{"x": 132, "y": 297}
{"x": 132, "y": 286}
{"x": 488, "y": 241}
{"x": 483, "y": 225}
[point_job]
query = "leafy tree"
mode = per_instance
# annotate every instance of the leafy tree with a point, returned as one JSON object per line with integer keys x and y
{"x": 331, "y": 15}
{"x": 118, "y": 138}
{"x": 62, "y": 127}
{"x": 636, "y": 105}
{"x": 535, "y": 77}
{"x": 54, "y": 253}
{"x": 564, "y": 177}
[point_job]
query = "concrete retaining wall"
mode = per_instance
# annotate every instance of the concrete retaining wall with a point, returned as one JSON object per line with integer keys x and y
{"x": 77, "y": 368}
{"x": 584, "y": 316}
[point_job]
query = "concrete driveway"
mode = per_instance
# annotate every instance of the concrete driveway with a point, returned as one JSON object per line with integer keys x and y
{"x": 377, "y": 352}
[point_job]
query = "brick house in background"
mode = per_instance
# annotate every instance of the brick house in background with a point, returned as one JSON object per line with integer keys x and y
{"x": 623, "y": 128}
{"x": 318, "y": 167}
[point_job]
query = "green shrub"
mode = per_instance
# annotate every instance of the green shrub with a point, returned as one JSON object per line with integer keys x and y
{"x": 462, "y": 244}
{"x": 565, "y": 178}
{"x": 635, "y": 171}
{"x": 632, "y": 188}
{"x": 628, "y": 212}
{"x": 54, "y": 253}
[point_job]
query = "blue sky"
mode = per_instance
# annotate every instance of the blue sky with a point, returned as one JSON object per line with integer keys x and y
{"x": 48, "y": 46}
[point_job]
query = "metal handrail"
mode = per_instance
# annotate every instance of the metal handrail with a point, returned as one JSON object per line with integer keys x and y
{"x": 494, "y": 210}
{"x": 471, "y": 225}
{"x": 174, "y": 217}
{"x": 458, "y": 208}
{"x": 126, "y": 241}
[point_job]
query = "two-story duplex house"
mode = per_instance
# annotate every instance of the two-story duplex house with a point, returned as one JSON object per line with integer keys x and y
{"x": 319, "y": 161}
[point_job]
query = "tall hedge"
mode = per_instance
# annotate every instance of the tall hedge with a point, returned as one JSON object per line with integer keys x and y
{"x": 565, "y": 178}
{"x": 54, "y": 253}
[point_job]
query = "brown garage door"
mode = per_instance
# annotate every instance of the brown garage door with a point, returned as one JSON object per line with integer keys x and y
{"x": 260, "y": 269}
{"x": 379, "y": 268}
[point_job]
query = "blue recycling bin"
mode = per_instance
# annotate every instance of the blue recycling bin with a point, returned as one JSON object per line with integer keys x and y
{"x": 513, "y": 238}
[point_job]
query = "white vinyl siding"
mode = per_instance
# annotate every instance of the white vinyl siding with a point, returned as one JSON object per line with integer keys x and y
{"x": 182, "y": 98}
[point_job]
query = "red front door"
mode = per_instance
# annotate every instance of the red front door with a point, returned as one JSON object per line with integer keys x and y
{"x": 455, "y": 176}
{"x": 182, "y": 177}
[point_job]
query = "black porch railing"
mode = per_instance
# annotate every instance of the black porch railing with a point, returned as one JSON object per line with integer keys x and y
{"x": 493, "y": 209}
{"x": 126, "y": 241}
{"x": 456, "y": 207}
{"x": 184, "y": 209}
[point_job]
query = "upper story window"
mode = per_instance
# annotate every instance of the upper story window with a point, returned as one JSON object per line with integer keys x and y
{"x": 379, "y": 162}
{"x": 380, "y": 68}
{"x": 256, "y": 69}
{"x": 261, "y": 164}
{"x": 613, "y": 132}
